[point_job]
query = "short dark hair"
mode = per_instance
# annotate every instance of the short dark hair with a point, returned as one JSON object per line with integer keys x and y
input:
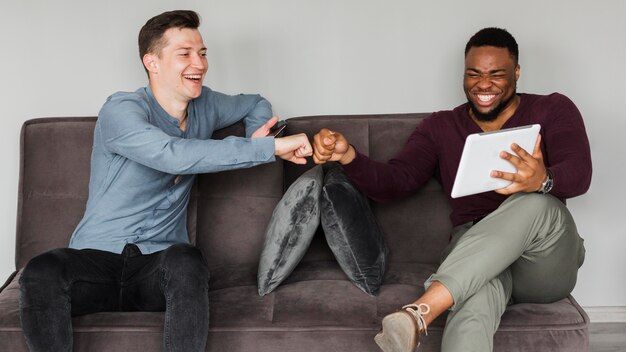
{"x": 493, "y": 36}
{"x": 151, "y": 34}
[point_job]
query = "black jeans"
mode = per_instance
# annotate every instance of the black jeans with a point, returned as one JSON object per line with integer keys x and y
{"x": 65, "y": 282}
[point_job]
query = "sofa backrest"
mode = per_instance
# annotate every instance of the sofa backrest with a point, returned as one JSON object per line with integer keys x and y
{"x": 228, "y": 211}
{"x": 55, "y": 155}
{"x": 53, "y": 185}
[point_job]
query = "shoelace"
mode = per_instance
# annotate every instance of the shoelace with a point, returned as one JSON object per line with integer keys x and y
{"x": 418, "y": 311}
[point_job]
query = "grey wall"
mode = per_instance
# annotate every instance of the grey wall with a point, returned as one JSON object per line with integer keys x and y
{"x": 63, "y": 58}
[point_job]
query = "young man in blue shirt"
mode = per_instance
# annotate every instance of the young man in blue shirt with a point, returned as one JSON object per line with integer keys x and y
{"x": 131, "y": 250}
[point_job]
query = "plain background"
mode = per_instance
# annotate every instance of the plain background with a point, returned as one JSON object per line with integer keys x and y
{"x": 63, "y": 58}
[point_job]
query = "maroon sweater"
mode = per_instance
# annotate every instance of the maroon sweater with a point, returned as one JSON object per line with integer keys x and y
{"x": 435, "y": 147}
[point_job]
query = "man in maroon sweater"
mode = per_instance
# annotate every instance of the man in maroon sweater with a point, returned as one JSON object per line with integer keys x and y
{"x": 518, "y": 242}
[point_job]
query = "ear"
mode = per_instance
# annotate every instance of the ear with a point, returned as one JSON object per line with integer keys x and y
{"x": 517, "y": 70}
{"x": 150, "y": 61}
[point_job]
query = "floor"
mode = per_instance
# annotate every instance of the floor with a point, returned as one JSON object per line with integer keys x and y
{"x": 607, "y": 337}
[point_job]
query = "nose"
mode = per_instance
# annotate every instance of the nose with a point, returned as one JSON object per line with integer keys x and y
{"x": 200, "y": 62}
{"x": 484, "y": 82}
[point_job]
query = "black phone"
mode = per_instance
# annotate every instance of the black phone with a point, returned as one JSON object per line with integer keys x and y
{"x": 277, "y": 129}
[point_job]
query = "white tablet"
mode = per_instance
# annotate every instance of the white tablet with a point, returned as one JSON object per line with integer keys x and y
{"x": 481, "y": 155}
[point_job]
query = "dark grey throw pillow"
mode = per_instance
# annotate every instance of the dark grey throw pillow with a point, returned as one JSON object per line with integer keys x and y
{"x": 290, "y": 230}
{"x": 352, "y": 231}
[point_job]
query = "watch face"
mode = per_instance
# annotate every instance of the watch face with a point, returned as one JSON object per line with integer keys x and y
{"x": 547, "y": 186}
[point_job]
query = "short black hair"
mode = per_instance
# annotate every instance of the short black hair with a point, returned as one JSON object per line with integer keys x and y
{"x": 493, "y": 36}
{"x": 151, "y": 34}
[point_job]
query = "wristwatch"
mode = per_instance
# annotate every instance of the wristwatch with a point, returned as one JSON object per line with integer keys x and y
{"x": 546, "y": 186}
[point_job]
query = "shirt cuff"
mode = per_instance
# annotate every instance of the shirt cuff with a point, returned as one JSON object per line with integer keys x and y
{"x": 264, "y": 148}
{"x": 355, "y": 167}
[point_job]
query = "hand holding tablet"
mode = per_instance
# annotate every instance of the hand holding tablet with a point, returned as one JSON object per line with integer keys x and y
{"x": 481, "y": 156}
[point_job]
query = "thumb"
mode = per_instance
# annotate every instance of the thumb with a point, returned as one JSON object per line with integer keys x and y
{"x": 271, "y": 122}
{"x": 330, "y": 138}
{"x": 537, "y": 154}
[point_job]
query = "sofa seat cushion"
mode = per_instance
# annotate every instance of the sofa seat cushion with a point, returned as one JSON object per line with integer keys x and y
{"x": 316, "y": 303}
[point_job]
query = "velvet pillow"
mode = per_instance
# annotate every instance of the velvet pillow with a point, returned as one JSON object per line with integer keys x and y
{"x": 290, "y": 230}
{"x": 352, "y": 231}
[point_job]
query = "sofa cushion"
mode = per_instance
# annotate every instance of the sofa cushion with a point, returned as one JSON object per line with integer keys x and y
{"x": 298, "y": 316}
{"x": 290, "y": 230}
{"x": 352, "y": 232}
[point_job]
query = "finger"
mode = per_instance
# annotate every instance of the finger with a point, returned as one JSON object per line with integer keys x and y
{"x": 319, "y": 148}
{"x": 324, "y": 151}
{"x": 329, "y": 140}
{"x": 505, "y": 190}
{"x": 510, "y": 189}
{"x": 265, "y": 128}
{"x": 324, "y": 132}
{"x": 504, "y": 175}
{"x": 271, "y": 122}
{"x": 537, "y": 154}
{"x": 511, "y": 158}
{"x": 322, "y": 154}
{"x": 318, "y": 161}
{"x": 327, "y": 136}
{"x": 521, "y": 152}
{"x": 318, "y": 141}
{"x": 296, "y": 160}
{"x": 303, "y": 152}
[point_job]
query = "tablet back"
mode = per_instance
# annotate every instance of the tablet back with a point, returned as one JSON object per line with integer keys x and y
{"x": 481, "y": 155}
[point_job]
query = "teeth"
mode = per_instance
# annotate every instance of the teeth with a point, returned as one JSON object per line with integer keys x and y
{"x": 485, "y": 98}
{"x": 193, "y": 76}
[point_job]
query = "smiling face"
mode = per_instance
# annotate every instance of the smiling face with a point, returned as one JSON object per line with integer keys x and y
{"x": 490, "y": 81}
{"x": 176, "y": 72}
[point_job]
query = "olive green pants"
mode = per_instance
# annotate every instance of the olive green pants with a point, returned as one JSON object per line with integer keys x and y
{"x": 527, "y": 250}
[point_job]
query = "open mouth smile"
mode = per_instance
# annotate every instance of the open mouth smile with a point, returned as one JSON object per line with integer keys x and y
{"x": 195, "y": 78}
{"x": 485, "y": 99}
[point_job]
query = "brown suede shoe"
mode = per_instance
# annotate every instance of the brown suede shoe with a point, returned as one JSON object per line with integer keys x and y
{"x": 402, "y": 330}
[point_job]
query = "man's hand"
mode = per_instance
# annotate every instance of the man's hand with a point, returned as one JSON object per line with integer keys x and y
{"x": 265, "y": 129}
{"x": 531, "y": 171}
{"x": 332, "y": 146}
{"x": 294, "y": 148}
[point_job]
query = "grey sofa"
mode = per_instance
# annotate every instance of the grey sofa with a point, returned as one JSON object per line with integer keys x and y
{"x": 316, "y": 308}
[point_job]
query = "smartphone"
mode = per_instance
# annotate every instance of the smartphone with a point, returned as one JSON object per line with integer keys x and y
{"x": 277, "y": 129}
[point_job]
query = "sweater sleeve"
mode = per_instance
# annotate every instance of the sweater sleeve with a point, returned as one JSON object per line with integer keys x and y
{"x": 399, "y": 177}
{"x": 567, "y": 153}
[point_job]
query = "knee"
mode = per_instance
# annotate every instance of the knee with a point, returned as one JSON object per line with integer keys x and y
{"x": 537, "y": 200}
{"x": 540, "y": 204}
{"x": 185, "y": 261}
{"x": 42, "y": 279}
{"x": 44, "y": 269}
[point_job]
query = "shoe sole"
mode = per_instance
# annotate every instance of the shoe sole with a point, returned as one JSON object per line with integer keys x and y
{"x": 398, "y": 333}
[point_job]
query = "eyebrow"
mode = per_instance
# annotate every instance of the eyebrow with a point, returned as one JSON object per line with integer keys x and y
{"x": 500, "y": 70}
{"x": 190, "y": 48}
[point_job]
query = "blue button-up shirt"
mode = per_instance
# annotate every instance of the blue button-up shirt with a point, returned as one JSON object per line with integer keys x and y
{"x": 143, "y": 165}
